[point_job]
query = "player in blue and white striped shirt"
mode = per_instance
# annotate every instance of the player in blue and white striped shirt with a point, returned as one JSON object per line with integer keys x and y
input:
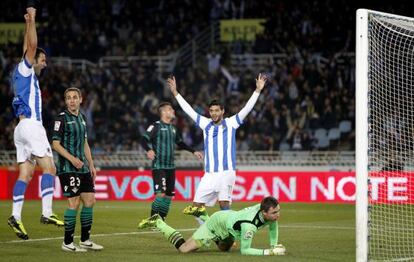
{"x": 219, "y": 147}
{"x": 32, "y": 145}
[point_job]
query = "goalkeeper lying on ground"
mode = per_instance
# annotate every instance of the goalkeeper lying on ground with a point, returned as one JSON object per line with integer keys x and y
{"x": 223, "y": 227}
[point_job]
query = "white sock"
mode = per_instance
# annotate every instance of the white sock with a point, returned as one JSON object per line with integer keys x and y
{"x": 47, "y": 205}
{"x": 17, "y": 210}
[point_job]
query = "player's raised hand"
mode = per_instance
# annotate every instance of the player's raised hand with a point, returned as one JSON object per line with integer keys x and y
{"x": 198, "y": 155}
{"x": 172, "y": 85}
{"x": 151, "y": 154}
{"x": 31, "y": 12}
{"x": 260, "y": 82}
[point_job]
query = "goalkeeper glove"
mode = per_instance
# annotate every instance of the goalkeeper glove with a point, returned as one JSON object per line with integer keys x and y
{"x": 277, "y": 250}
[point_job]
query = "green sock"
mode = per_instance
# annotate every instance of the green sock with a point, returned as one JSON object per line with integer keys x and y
{"x": 70, "y": 223}
{"x": 155, "y": 207}
{"x": 86, "y": 222}
{"x": 165, "y": 207}
{"x": 173, "y": 236}
{"x": 204, "y": 217}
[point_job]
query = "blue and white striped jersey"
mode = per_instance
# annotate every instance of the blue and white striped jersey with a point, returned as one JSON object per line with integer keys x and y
{"x": 27, "y": 99}
{"x": 219, "y": 143}
{"x": 219, "y": 140}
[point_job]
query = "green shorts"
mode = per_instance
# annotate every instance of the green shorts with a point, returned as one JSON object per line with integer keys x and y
{"x": 213, "y": 230}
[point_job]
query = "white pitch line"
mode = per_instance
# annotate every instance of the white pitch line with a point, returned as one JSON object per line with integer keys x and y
{"x": 93, "y": 235}
{"x": 316, "y": 227}
{"x": 157, "y": 232}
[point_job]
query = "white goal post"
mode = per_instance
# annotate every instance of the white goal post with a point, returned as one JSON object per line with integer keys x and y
{"x": 384, "y": 137}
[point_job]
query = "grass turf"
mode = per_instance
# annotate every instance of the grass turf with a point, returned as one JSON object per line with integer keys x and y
{"x": 310, "y": 232}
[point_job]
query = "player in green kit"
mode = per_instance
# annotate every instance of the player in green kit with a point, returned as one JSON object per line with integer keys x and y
{"x": 159, "y": 142}
{"x": 224, "y": 227}
{"x": 76, "y": 171}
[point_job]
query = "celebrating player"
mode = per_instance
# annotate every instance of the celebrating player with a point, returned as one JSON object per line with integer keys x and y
{"x": 219, "y": 149}
{"x": 30, "y": 137}
{"x": 159, "y": 143}
{"x": 76, "y": 171}
{"x": 223, "y": 227}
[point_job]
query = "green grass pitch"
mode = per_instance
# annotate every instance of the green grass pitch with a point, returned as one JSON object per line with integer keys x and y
{"x": 310, "y": 232}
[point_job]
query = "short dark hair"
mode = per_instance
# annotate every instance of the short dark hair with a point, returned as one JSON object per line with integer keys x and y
{"x": 38, "y": 52}
{"x": 216, "y": 102}
{"x": 163, "y": 104}
{"x": 74, "y": 89}
{"x": 268, "y": 202}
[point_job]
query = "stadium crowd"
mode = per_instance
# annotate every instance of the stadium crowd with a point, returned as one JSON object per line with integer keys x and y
{"x": 311, "y": 89}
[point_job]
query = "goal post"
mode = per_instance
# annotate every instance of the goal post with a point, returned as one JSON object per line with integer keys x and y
{"x": 384, "y": 137}
{"x": 361, "y": 136}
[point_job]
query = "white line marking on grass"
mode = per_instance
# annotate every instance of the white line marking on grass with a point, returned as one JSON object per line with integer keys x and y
{"x": 157, "y": 232}
{"x": 93, "y": 235}
{"x": 316, "y": 227}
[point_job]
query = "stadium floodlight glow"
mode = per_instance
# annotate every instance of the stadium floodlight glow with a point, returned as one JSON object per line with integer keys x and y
{"x": 384, "y": 137}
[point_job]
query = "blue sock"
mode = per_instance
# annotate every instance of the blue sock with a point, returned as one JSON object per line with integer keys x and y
{"x": 18, "y": 199}
{"x": 47, "y": 184}
{"x": 19, "y": 190}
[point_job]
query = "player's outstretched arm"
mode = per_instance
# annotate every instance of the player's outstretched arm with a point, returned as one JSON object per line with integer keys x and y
{"x": 30, "y": 43}
{"x": 274, "y": 239}
{"x": 26, "y": 18}
{"x": 273, "y": 233}
{"x": 260, "y": 83}
{"x": 247, "y": 233}
{"x": 200, "y": 120}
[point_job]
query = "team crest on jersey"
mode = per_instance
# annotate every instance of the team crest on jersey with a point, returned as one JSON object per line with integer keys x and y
{"x": 57, "y": 125}
{"x": 248, "y": 235}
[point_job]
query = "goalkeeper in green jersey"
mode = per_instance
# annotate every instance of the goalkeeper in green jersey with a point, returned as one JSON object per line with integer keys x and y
{"x": 224, "y": 227}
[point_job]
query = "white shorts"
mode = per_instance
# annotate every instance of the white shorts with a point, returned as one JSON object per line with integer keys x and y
{"x": 30, "y": 140}
{"x": 215, "y": 186}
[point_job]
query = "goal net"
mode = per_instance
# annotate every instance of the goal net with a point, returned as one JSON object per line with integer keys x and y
{"x": 385, "y": 102}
